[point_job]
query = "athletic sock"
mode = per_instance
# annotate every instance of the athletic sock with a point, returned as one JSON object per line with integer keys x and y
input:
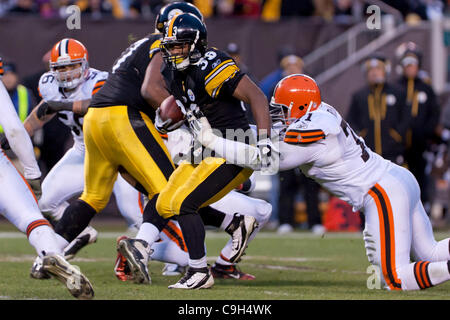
{"x": 43, "y": 239}
{"x": 198, "y": 263}
{"x": 148, "y": 232}
{"x": 75, "y": 219}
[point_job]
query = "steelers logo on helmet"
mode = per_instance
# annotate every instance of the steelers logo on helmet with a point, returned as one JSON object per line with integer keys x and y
{"x": 69, "y": 63}
{"x": 184, "y": 42}
{"x": 172, "y": 9}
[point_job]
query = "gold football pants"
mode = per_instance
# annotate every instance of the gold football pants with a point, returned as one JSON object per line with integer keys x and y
{"x": 192, "y": 187}
{"x": 117, "y": 138}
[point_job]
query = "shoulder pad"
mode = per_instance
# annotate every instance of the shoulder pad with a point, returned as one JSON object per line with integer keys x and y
{"x": 312, "y": 127}
{"x": 48, "y": 86}
{"x": 217, "y": 68}
{"x": 155, "y": 42}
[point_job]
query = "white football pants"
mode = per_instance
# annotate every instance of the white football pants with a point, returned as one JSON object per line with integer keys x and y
{"x": 397, "y": 227}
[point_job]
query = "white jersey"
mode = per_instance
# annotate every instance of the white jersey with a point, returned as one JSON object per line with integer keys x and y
{"x": 50, "y": 91}
{"x": 326, "y": 149}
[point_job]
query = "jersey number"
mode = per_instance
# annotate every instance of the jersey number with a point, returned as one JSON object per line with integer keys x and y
{"x": 347, "y": 130}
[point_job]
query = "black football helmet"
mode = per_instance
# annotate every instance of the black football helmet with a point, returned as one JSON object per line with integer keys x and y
{"x": 184, "y": 42}
{"x": 170, "y": 10}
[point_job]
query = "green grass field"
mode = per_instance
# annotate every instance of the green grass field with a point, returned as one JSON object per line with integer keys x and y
{"x": 292, "y": 267}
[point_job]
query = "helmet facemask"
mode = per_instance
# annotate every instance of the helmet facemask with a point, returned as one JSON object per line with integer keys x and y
{"x": 69, "y": 74}
{"x": 185, "y": 54}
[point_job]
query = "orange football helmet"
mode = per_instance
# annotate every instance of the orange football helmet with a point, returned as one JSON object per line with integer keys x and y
{"x": 293, "y": 97}
{"x": 69, "y": 62}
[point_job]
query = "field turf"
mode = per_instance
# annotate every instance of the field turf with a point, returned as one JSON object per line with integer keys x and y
{"x": 297, "y": 266}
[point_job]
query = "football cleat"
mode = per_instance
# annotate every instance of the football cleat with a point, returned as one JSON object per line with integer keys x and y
{"x": 87, "y": 236}
{"x": 240, "y": 229}
{"x": 71, "y": 276}
{"x": 37, "y": 270}
{"x": 121, "y": 268}
{"x": 195, "y": 278}
{"x": 172, "y": 269}
{"x": 220, "y": 271}
{"x": 136, "y": 253}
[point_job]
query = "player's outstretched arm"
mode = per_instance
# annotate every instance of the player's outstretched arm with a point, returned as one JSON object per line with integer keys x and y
{"x": 234, "y": 152}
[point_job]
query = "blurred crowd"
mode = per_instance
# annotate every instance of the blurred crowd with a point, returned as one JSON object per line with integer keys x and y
{"x": 267, "y": 10}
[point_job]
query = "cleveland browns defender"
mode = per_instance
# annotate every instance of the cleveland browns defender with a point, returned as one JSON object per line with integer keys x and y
{"x": 315, "y": 138}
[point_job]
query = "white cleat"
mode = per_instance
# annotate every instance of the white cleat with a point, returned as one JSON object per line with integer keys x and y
{"x": 240, "y": 229}
{"x": 136, "y": 252}
{"x": 195, "y": 278}
{"x": 71, "y": 276}
{"x": 87, "y": 236}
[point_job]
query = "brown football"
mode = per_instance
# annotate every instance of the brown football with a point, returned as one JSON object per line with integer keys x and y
{"x": 170, "y": 110}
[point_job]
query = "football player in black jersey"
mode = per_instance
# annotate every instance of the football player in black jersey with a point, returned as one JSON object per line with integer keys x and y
{"x": 208, "y": 79}
{"x": 120, "y": 137}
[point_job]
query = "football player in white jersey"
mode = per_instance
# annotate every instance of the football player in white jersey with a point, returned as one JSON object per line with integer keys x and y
{"x": 314, "y": 137}
{"x": 19, "y": 205}
{"x": 66, "y": 91}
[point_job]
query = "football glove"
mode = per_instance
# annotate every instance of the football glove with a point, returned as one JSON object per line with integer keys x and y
{"x": 165, "y": 126}
{"x": 268, "y": 154}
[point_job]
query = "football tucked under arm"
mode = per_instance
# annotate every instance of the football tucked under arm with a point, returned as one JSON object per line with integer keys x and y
{"x": 170, "y": 115}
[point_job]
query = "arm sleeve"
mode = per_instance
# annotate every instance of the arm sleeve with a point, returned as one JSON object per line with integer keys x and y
{"x": 17, "y": 136}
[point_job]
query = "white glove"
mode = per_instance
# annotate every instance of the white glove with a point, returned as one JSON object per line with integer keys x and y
{"x": 269, "y": 156}
{"x": 165, "y": 126}
{"x": 202, "y": 131}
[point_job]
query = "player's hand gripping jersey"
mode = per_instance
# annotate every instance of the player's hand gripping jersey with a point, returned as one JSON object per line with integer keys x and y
{"x": 50, "y": 91}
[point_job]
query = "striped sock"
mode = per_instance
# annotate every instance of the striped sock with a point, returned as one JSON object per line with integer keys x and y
{"x": 43, "y": 239}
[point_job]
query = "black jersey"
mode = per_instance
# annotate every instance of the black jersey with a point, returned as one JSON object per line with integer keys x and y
{"x": 210, "y": 85}
{"x": 123, "y": 86}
